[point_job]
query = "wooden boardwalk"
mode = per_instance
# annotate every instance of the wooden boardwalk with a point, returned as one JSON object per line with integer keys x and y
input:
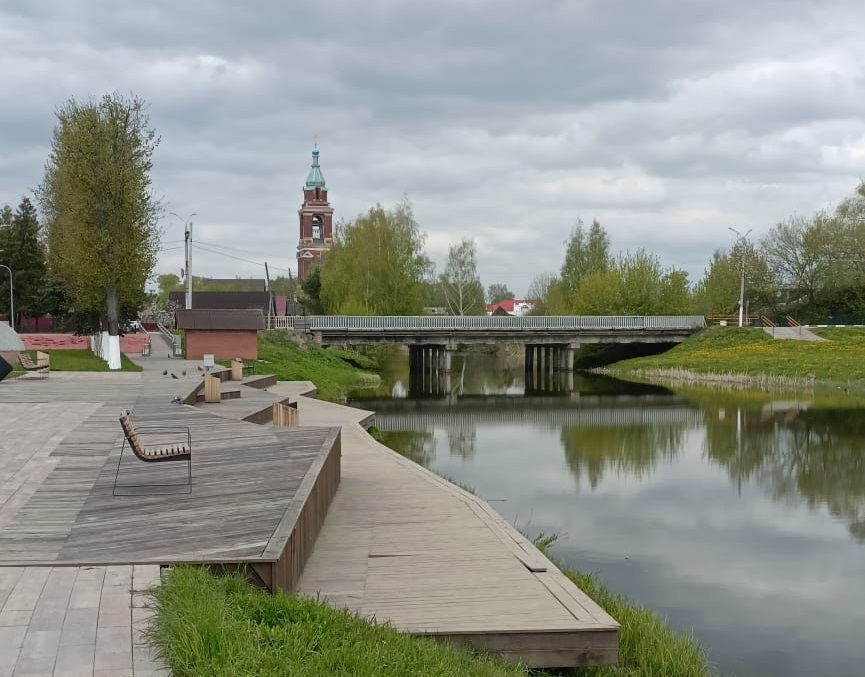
{"x": 402, "y": 545}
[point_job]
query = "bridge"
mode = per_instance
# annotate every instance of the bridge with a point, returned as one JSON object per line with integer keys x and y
{"x": 550, "y": 342}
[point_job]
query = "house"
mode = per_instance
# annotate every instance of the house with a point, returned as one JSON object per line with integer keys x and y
{"x": 225, "y": 334}
{"x": 514, "y": 307}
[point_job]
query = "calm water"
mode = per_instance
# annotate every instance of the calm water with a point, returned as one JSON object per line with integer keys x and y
{"x": 733, "y": 515}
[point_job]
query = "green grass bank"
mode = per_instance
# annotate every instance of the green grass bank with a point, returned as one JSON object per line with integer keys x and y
{"x": 207, "y": 626}
{"x": 334, "y": 372}
{"x": 754, "y": 358}
{"x": 82, "y": 360}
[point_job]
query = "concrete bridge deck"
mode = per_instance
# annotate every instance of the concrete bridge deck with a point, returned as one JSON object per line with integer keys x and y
{"x": 530, "y": 330}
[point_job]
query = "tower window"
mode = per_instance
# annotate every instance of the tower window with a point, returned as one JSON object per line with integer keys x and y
{"x": 316, "y": 227}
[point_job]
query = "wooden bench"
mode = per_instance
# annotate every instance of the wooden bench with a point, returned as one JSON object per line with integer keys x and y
{"x": 41, "y": 366}
{"x": 176, "y": 451}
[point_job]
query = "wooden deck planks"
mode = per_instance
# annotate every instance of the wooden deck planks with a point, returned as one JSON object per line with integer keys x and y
{"x": 402, "y": 545}
{"x": 59, "y": 448}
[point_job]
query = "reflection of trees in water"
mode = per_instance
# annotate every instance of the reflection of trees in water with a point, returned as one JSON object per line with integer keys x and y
{"x": 633, "y": 450}
{"x": 815, "y": 457}
{"x": 417, "y": 445}
{"x": 461, "y": 442}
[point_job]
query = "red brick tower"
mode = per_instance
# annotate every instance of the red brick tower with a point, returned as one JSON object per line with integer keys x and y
{"x": 316, "y": 221}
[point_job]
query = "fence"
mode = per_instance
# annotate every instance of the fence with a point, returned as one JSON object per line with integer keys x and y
{"x": 297, "y": 322}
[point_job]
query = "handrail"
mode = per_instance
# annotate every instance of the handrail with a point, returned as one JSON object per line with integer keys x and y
{"x": 173, "y": 340}
{"x": 767, "y": 322}
{"x": 792, "y": 321}
{"x": 397, "y": 323}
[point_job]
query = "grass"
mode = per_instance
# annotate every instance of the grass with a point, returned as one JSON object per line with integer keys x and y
{"x": 333, "y": 371}
{"x": 209, "y": 626}
{"x": 721, "y": 352}
{"x": 83, "y": 360}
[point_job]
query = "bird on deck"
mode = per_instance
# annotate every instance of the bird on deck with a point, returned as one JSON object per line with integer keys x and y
{"x": 173, "y": 375}
{"x": 177, "y": 400}
{"x": 165, "y": 372}
{"x": 183, "y": 373}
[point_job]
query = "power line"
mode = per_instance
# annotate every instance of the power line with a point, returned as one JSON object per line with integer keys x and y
{"x": 222, "y": 246}
{"x": 238, "y": 258}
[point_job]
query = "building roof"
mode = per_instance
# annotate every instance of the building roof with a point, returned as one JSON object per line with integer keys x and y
{"x": 225, "y": 320}
{"x": 224, "y": 300}
{"x": 509, "y": 305}
{"x": 9, "y": 339}
{"x": 315, "y": 179}
{"x": 234, "y": 284}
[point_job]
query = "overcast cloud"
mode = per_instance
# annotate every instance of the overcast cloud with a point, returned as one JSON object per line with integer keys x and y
{"x": 667, "y": 121}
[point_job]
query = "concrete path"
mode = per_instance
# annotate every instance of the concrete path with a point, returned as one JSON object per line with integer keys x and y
{"x": 792, "y": 333}
{"x": 76, "y": 622}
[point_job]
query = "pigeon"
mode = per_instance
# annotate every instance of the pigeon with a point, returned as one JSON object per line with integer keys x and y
{"x": 173, "y": 375}
{"x": 200, "y": 368}
{"x": 165, "y": 372}
{"x": 183, "y": 373}
{"x": 169, "y": 356}
{"x": 177, "y": 400}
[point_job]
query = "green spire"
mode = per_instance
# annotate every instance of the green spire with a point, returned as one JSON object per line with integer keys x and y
{"x": 315, "y": 179}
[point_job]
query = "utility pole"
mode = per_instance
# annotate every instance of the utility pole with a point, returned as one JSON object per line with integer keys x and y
{"x": 742, "y": 283}
{"x": 187, "y": 239}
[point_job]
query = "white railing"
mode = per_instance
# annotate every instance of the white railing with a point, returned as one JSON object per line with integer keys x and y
{"x": 173, "y": 340}
{"x": 286, "y": 322}
{"x": 532, "y": 322}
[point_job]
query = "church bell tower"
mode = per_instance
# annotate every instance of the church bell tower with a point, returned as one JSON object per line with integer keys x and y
{"x": 316, "y": 221}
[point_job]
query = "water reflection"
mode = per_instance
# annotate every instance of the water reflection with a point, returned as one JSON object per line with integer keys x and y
{"x": 737, "y": 516}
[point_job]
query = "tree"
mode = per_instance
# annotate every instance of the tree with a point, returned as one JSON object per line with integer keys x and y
{"x": 717, "y": 293}
{"x": 285, "y": 286}
{"x": 167, "y": 283}
{"x": 585, "y": 253}
{"x": 635, "y": 284}
{"x": 311, "y": 288}
{"x": 462, "y": 287}
{"x": 498, "y": 292}
{"x": 24, "y": 253}
{"x": 101, "y": 213}
{"x": 376, "y": 265}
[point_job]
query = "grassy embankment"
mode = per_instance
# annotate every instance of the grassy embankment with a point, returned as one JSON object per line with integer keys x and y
{"x": 207, "y": 625}
{"x": 753, "y": 358}
{"x": 82, "y": 360}
{"x": 333, "y": 371}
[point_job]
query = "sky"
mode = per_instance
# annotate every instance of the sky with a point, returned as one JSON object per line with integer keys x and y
{"x": 501, "y": 121}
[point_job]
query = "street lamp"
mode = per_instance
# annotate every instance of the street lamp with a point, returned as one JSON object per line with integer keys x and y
{"x": 742, "y": 284}
{"x": 187, "y": 233}
{"x": 11, "y": 298}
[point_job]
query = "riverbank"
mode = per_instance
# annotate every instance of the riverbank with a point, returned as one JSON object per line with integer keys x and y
{"x": 751, "y": 358}
{"x": 334, "y": 372}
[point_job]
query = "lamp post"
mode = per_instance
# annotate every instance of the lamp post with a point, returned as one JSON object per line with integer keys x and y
{"x": 187, "y": 238}
{"x": 11, "y": 298}
{"x": 742, "y": 283}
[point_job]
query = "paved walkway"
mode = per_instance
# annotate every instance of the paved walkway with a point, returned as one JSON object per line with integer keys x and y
{"x": 792, "y": 333}
{"x": 76, "y": 622}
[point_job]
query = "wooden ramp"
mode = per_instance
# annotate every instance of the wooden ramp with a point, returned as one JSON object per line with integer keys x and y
{"x": 402, "y": 545}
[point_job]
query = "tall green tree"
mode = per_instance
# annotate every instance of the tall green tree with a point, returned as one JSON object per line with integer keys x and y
{"x": 100, "y": 208}
{"x": 311, "y": 293}
{"x": 460, "y": 283}
{"x": 167, "y": 283}
{"x": 717, "y": 293}
{"x": 377, "y": 265}
{"x": 24, "y": 252}
{"x": 498, "y": 292}
{"x": 635, "y": 284}
{"x": 585, "y": 253}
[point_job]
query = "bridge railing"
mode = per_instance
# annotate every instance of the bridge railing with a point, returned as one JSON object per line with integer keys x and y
{"x": 450, "y": 322}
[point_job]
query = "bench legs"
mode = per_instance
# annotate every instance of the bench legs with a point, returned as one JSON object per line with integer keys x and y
{"x": 187, "y": 483}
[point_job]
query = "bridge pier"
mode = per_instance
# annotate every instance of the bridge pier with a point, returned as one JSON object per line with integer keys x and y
{"x": 550, "y": 358}
{"x": 429, "y": 369}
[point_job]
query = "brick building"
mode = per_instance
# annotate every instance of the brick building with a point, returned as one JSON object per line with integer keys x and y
{"x": 222, "y": 333}
{"x": 316, "y": 221}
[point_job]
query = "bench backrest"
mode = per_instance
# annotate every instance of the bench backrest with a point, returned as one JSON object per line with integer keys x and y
{"x": 132, "y": 438}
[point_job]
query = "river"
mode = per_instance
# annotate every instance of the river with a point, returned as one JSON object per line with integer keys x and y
{"x": 739, "y": 517}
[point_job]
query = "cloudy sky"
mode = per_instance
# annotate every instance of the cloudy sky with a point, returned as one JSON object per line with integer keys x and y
{"x": 503, "y": 121}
